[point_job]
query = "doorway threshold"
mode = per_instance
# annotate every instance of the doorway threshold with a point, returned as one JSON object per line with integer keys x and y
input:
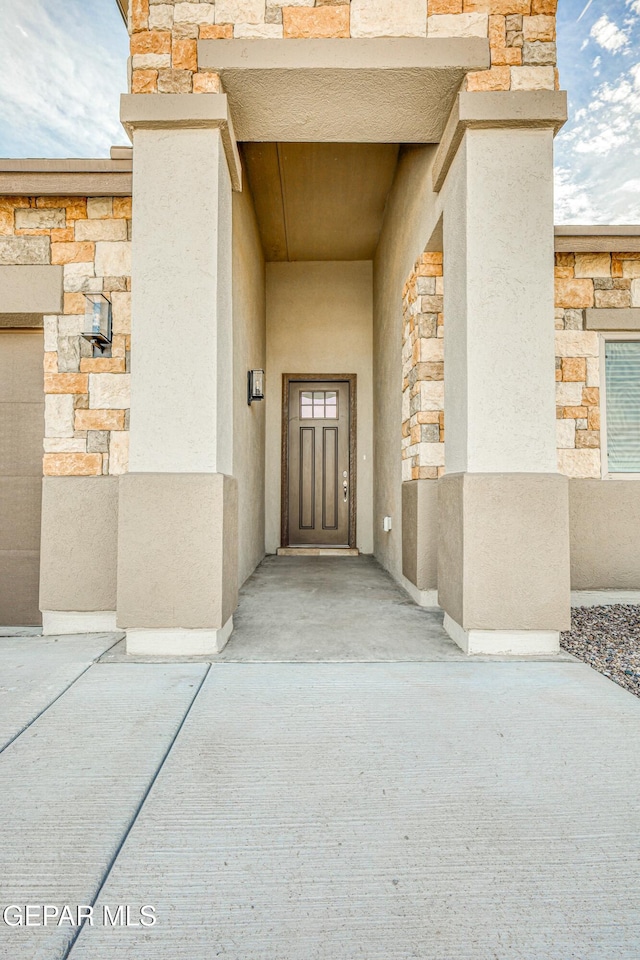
{"x": 318, "y": 552}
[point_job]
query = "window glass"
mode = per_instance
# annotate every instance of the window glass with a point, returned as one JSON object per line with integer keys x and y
{"x": 318, "y": 405}
{"x": 306, "y": 405}
{"x": 622, "y": 370}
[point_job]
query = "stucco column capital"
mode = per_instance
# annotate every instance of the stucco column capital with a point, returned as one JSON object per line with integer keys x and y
{"x": 175, "y": 111}
{"x": 497, "y": 110}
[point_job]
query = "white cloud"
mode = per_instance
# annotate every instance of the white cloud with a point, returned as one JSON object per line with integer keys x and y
{"x": 574, "y": 203}
{"x": 597, "y": 153}
{"x": 622, "y": 98}
{"x": 613, "y": 94}
{"x": 583, "y": 197}
{"x": 608, "y": 35}
{"x": 634, "y": 5}
{"x": 602, "y": 144}
{"x": 62, "y": 69}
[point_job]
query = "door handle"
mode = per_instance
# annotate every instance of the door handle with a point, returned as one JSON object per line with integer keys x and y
{"x": 345, "y": 487}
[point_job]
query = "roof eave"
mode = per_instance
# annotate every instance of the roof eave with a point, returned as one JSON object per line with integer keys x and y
{"x": 123, "y": 6}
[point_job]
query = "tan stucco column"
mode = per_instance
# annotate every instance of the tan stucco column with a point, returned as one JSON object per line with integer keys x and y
{"x": 177, "y": 545}
{"x": 503, "y": 566}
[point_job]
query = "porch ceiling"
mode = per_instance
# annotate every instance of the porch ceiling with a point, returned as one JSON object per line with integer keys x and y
{"x": 389, "y": 90}
{"x": 320, "y": 201}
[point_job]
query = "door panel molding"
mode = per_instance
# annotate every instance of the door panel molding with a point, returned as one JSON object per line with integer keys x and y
{"x": 329, "y": 464}
{"x": 287, "y": 380}
{"x": 307, "y": 496}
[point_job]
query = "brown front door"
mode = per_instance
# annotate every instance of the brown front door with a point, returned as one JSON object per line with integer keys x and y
{"x": 319, "y": 463}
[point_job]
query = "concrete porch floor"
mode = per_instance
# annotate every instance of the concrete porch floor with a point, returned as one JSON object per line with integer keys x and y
{"x": 332, "y": 608}
{"x": 444, "y": 808}
{"x": 324, "y": 610}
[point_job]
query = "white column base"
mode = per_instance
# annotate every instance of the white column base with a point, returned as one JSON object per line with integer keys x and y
{"x": 604, "y": 598}
{"x": 58, "y": 622}
{"x": 424, "y": 598}
{"x": 178, "y": 642}
{"x": 515, "y": 643}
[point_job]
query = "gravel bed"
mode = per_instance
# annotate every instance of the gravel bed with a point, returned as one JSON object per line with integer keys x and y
{"x": 608, "y": 639}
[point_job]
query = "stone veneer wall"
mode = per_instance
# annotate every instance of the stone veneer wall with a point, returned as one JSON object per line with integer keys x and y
{"x": 583, "y": 280}
{"x": 423, "y": 371}
{"x": 164, "y": 34}
{"x": 86, "y": 398}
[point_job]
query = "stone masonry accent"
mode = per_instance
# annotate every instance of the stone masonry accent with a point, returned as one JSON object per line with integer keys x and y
{"x": 423, "y": 371}
{"x": 583, "y": 280}
{"x": 86, "y": 397}
{"x": 165, "y": 34}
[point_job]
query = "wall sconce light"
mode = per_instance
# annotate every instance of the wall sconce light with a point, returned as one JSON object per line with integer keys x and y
{"x": 97, "y": 320}
{"x": 255, "y": 385}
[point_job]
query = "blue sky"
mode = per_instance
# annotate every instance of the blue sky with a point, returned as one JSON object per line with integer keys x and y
{"x": 63, "y": 67}
{"x": 598, "y": 151}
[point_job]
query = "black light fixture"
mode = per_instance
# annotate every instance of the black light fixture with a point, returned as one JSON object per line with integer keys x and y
{"x": 97, "y": 320}
{"x": 255, "y": 385}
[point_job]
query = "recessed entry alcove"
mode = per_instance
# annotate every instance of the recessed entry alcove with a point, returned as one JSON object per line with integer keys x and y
{"x": 319, "y": 209}
{"x": 337, "y": 140}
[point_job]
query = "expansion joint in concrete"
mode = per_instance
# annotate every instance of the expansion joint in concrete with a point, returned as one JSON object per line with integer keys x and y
{"x": 135, "y": 815}
{"x": 48, "y": 706}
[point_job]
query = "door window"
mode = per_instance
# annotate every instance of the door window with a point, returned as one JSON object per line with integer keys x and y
{"x": 318, "y": 405}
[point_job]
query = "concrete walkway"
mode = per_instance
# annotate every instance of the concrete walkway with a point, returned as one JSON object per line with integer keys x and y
{"x": 441, "y": 809}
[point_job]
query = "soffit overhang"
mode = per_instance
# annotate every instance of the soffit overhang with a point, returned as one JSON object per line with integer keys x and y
{"x": 388, "y": 90}
{"x": 123, "y": 7}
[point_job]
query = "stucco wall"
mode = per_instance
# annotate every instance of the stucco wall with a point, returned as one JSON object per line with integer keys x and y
{"x": 249, "y": 353}
{"x": 605, "y": 532}
{"x": 182, "y": 573}
{"x": 181, "y": 387}
{"x": 405, "y": 233}
{"x": 79, "y": 543}
{"x": 420, "y": 513}
{"x": 319, "y": 320}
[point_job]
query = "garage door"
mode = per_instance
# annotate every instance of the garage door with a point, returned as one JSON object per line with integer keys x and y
{"x": 21, "y": 433}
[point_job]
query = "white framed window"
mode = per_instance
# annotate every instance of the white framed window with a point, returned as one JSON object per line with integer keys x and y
{"x": 620, "y": 405}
